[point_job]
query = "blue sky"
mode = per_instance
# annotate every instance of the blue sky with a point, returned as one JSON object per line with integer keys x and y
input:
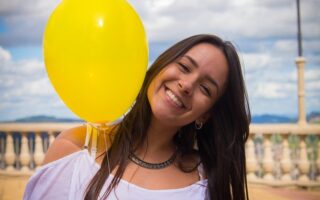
{"x": 263, "y": 31}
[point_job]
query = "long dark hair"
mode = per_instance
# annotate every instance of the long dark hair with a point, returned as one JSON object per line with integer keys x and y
{"x": 221, "y": 141}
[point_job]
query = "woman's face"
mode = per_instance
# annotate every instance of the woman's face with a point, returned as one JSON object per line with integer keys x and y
{"x": 185, "y": 90}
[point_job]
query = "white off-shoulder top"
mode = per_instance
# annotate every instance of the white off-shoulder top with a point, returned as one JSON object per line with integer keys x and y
{"x": 68, "y": 177}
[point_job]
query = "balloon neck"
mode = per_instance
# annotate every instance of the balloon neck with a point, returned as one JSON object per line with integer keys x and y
{"x": 98, "y": 125}
{"x": 108, "y": 0}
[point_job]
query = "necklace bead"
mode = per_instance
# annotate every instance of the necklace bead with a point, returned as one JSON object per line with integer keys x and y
{"x": 148, "y": 165}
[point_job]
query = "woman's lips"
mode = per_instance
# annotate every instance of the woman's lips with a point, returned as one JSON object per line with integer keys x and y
{"x": 174, "y": 99}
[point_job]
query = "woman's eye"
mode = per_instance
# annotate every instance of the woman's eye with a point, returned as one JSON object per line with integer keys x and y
{"x": 183, "y": 67}
{"x": 205, "y": 90}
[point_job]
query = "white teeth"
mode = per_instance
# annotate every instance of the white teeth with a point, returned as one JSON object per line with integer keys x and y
{"x": 174, "y": 98}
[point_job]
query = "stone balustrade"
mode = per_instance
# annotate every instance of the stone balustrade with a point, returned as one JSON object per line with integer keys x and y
{"x": 23, "y": 145}
{"x": 284, "y": 155}
{"x": 277, "y": 154}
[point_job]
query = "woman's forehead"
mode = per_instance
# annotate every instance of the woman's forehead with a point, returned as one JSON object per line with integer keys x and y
{"x": 210, "y": 60}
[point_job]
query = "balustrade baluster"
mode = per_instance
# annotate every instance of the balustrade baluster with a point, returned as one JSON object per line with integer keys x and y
{"x": 267, "y": 160}
{"x": 286, "y": 163}
{"x": 10, "y": 155}
{"x": 303, "y": 162}
{"x": 51, "y": 137}
{"x": 2, "y": 151}
{"x": 38, "y": 149}
{"x": 277, "y": 151}
{"x": 251, "y": 161}
{"x": 24, "y": 153}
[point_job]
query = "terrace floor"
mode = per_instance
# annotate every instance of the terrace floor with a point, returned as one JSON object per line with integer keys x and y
{"x": 12, "y": 188}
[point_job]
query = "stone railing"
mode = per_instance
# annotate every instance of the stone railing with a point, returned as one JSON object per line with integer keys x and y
{"x": 277, "y": 154}
{"x": 23, "y": 145}
{"x": 284, "y": 155}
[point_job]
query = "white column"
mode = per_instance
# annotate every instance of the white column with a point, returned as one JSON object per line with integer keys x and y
{"x": 38, "y": 150}
{"x": 267, "y": 160}
{"x": 10, "y": 155}
{"x": 25, "y": 154}
{"x": 303, "y": 162}
{"x": 286, "y": 163}
{"x": 251, "y": 161}
{"x": 300, "y": 61}
{"x": 51, "y": 137}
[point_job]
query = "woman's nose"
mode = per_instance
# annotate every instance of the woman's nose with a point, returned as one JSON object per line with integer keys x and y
{"x": 186, "y": 86}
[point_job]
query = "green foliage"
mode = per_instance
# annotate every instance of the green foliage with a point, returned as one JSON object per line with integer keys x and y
{"x": 312, "y": 147}
{"x": 293, "y": 141}
{"x": 276, "y": 138}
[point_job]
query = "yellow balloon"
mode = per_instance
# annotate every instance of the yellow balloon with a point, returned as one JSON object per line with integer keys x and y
{"x": 96, "y": 57}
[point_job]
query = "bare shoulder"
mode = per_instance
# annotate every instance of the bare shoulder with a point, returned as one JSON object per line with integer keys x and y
{"x": 68, "y": 142}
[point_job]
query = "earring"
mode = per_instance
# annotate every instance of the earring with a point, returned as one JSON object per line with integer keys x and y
{"x": 198, "y": 125}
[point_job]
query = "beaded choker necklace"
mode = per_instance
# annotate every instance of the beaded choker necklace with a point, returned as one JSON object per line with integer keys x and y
{"x": 148, "y": 165}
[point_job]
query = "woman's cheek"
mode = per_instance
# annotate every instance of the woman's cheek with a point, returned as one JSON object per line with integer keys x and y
{"x": 205, "y": 103}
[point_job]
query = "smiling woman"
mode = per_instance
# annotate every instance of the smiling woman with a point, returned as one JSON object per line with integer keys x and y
{"x": 183, "y": 138}
{"x": 187, "y": 88}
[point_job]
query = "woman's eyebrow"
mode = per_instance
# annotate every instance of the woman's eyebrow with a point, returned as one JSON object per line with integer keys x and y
{"x": 191, "y": 60}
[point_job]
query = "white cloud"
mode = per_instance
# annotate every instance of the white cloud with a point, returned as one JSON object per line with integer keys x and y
{"x": 174, "y": 19}
{"x": 24, "y": 22}
{"x": 274, "y": 90}
{"x": 36, "y": 89}
{"x": 313, "y": 104}
{"x": 19, "y": 78}
{"x": 313, "y": 86}
{"x": 16, "y": 8}
{"x": 312, "y": 75}
{"x": 25, "y": 89}
{"x": 253, "y": 19}
{"x": 257, "y": 61}
{"x": 286, "y": 46}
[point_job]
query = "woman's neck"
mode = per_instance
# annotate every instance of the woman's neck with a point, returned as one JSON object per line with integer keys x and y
{"x": 158, "y": 145}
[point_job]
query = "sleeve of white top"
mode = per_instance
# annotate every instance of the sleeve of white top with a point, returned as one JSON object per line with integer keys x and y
{"x": 53, "y": 181}
{"x": 48, "y": 183}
